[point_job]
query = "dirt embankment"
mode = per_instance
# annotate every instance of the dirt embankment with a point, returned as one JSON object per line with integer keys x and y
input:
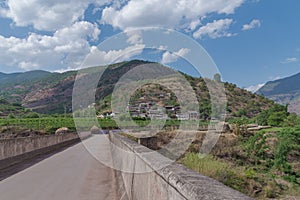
{"x": 223, "y": 147}
{"x": 14, "y": 132}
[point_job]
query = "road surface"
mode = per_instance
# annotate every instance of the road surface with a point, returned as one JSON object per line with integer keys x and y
{"x": 72, "y": 174}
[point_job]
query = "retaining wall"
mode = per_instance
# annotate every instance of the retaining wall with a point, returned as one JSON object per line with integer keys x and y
{"x": 162, "y": 179}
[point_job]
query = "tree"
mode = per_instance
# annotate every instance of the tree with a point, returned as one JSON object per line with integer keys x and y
{"x": 277, "y": 118}
{"x": 262, "y": 118}
{"x": 32, "y": 115}
{"x": 292, "y": 120}
{"x": 241, "y": 112}
{"x": 274, "y": 116}
{"x": 11, "y": 116}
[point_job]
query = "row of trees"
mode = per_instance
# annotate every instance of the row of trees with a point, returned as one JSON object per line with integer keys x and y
{"x": 277, "y": 116}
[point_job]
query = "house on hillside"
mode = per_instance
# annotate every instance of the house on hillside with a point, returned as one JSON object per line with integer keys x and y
{"x": 190, "y": 115}
{"x": 193, "y": 115}
{"x": 157, "y": 114}
{"x": 183, "y": 116}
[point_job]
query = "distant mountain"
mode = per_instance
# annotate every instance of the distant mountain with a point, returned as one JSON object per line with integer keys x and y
{"x": 37, "y": 90}
{"x": 284, "y": 91}
{"x": 15, "y": 86}
{"x": 17, "y": 78}
{"x": 2, "y": 75}
{"x": 47, "y": 92}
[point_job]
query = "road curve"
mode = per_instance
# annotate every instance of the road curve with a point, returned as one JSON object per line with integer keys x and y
{"x": 72, "y": 174}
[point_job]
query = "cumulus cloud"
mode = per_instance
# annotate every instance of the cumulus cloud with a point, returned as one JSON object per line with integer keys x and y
{"x": 172, "y": 14}
{"x": 290, "y": 60}
{"x": 194, "y": 24}
{"x": 169, "y": 57}
{"x": 253, "y": 24}
{"x": 215, "y": 29}
{"x": 97, "y": 57}
{"x": 134, "y": 37}
{"x": 68, "y": 35}
{"x": 66, "y": 47}
{"x": 46, "y": 15}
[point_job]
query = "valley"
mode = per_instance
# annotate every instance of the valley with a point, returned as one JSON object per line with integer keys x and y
{"x": 257, "y": 152}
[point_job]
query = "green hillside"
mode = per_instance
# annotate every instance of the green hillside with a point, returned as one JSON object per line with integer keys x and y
{"x": 11, "y": 109}
{"x": 46, "y": 92}
{"x": 19, "y": 78}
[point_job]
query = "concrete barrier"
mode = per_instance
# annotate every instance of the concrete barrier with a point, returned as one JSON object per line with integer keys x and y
{"x": 14, "y": 151}
{"x": 160, "y": 182}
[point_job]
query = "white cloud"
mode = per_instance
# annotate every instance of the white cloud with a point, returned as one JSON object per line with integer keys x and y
{"x": 290, "y": 60}
{"x": 66, "y": 47}
{"x": 169, "y": 57}
{"x": 46, "y": 15}
{"x": 255, "y": 88}
{"x": 253, "y": 24}
{"x": 27, "y": 65}
{"x": 161, "y": 48}
{"x": 170, "y": 13}
{"x": 216, "y": 29}
{"x": 193, "y": 25}
{"x": 134, "y": 37}
{"x": 68, "y": 43}
{"x": 97, "y": 57}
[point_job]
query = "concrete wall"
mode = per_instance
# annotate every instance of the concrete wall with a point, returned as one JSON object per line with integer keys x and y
{"x": 17, "y": 146}
{"x": 14, "y": 151}
{"x": 162, "y": 179}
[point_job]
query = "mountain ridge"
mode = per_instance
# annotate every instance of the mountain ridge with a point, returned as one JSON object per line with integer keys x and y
{"x": 52, "y": 93}
{"x": 284, "y": 91}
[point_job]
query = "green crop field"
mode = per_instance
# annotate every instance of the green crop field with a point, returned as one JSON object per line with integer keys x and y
{"x": 50, "y": 124}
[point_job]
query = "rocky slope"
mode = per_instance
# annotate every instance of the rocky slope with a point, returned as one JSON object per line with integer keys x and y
{"x": 284, "y": 91}
{"x": 47, "y": 92}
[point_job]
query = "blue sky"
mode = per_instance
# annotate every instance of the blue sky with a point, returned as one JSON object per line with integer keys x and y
{"x": 251, "y": 41}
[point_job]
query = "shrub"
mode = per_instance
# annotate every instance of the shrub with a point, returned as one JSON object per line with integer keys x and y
{"x": 277, "y": 118}
{"x": 256, "y": 147}
{"x": 11, "y": 116}
{"x": 32, "y": 115}
{"x": 288, "y": 140}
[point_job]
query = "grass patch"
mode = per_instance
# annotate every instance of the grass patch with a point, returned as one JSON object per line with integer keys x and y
{"x": 215, "y": 168}
{"x": 262, "y": 165}
{"x": 273, "y": 129}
